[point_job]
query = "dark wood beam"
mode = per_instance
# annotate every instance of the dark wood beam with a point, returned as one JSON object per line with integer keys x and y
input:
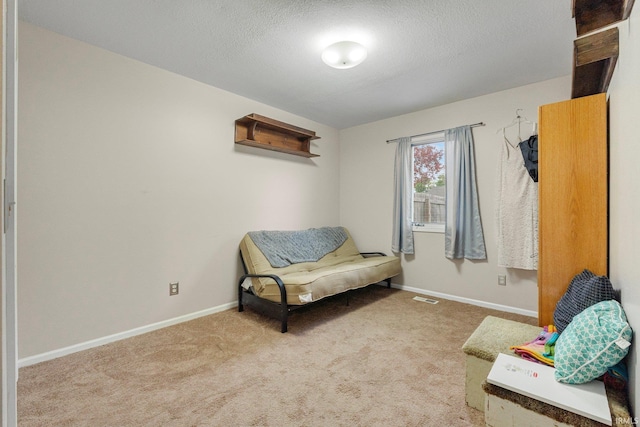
{"x": 592, "y": 15}
{"x": 595, "y": 57}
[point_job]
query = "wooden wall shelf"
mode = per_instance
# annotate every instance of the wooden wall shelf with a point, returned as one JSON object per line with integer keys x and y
{"x": 594, "y": 59}
{"x": 259, "y": 131}
{"x": 592, "y": 15}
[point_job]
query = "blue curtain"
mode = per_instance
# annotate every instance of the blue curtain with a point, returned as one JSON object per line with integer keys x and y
{"x": 402, "y": 237}
{"x": 463, "y": 229}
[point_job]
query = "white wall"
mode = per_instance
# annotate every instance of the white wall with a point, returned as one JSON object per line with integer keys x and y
{"x": 129, "y": 179}
{"x": 624, "y": 110}
{"x": 367, "y": 180}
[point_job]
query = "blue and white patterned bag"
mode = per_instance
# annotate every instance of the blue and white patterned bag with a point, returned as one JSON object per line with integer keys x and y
{"x": 596, "y": 339}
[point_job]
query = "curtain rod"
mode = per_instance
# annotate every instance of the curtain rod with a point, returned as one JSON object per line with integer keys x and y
{"x": 431, "y": 133}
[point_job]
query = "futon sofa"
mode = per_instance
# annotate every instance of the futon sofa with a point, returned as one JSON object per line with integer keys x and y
{"x": 285, "y": 270}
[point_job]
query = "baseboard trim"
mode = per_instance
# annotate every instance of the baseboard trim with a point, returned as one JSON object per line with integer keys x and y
{"x": 479, "y": 303}
{"x": 54, "y": 354}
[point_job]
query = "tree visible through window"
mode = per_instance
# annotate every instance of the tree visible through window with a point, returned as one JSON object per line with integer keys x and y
{"x": 429, "y": 184}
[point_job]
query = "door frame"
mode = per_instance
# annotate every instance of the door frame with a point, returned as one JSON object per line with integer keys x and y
{"x": 8, "y": 303}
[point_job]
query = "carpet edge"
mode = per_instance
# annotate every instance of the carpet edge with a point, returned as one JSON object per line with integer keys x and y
{"x": 65, "y": 351}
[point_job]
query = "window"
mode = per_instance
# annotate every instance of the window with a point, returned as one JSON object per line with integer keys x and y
{"x": 429, "y": 183}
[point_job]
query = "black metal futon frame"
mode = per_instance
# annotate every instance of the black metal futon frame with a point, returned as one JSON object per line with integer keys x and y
{"x": 276, "y": 310}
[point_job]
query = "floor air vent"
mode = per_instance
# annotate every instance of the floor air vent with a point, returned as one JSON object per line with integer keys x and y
{"x": 428, "y": 300}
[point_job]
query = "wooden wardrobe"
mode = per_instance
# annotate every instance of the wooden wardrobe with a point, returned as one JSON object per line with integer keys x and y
{"x": 573, "y": 196}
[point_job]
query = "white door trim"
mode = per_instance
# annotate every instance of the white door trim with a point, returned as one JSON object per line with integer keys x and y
{"x": 9, "y": 300}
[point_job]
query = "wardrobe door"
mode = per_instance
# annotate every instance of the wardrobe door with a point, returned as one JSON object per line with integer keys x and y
{"x": 573, "y": 200}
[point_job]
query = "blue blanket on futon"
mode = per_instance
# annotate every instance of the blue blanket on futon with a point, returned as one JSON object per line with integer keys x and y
{"x": 283, "y": 248}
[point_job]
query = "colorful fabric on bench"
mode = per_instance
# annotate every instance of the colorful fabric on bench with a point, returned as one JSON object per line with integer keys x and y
{"x": 541, "y": 349}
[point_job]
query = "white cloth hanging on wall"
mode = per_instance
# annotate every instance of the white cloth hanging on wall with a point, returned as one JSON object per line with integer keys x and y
{"x": 517, "y": 211}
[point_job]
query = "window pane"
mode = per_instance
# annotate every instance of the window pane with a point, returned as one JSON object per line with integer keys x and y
{"x": 428, "y": 183}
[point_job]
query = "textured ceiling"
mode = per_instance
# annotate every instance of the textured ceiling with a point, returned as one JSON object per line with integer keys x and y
{"x": 422, "y": 53}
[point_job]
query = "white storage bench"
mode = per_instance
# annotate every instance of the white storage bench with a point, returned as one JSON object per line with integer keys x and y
{"x": 494, "y": 335}
{"x": 506, "y": 408}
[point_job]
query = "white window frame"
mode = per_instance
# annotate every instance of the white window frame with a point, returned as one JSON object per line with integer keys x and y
{"x": 422, "y": 140}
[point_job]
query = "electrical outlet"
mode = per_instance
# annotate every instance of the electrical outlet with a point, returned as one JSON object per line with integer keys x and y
{"x": 174, "y": 288}
{"x": 502, "y": 280}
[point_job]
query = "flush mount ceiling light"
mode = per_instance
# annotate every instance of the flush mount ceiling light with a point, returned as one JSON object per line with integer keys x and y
{"x": 344, "y": 54}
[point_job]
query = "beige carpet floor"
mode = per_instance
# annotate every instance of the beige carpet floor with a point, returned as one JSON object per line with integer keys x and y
{"x": 383, "y": 360}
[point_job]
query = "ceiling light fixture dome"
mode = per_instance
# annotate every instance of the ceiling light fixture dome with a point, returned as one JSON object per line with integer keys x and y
{"x": 345, "y": 54}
